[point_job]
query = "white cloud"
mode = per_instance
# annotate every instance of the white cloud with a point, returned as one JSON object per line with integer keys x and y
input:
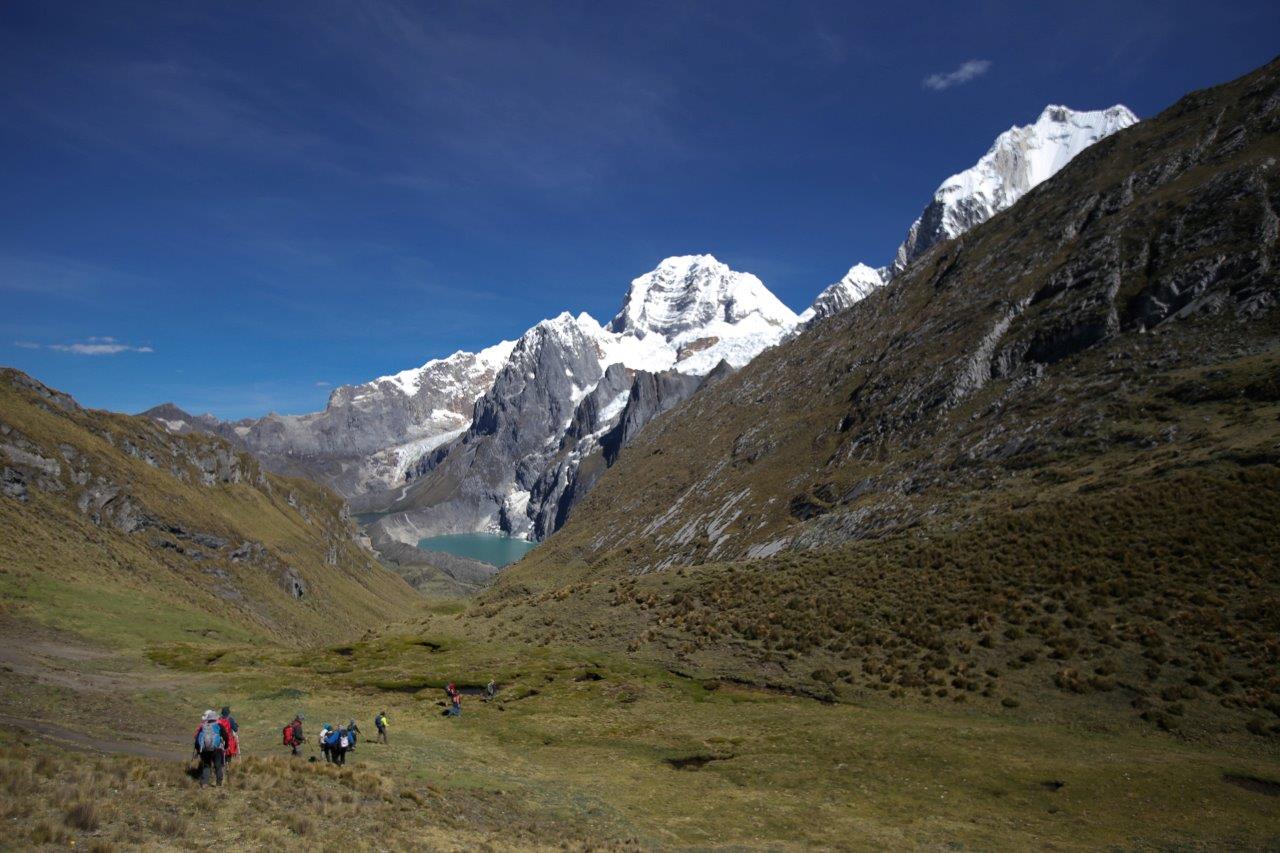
{"x": 322, "y": 384}
{"x": 971, "y": 70}
{"x": 92, "y": 346}
{"x": 26, "y": 345}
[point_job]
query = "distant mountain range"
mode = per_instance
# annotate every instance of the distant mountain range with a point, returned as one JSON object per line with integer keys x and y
{"x": 510, "y": 438}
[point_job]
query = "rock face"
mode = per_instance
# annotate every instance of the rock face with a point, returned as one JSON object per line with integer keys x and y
{"x": 1006, "y": 364}
{"x": 487, "y": 427}
{"x": 572, "y": 394}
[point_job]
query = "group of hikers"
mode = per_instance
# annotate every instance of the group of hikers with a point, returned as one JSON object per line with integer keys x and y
{"x": 335, "y": 741}
{"x": 217, "y": 737}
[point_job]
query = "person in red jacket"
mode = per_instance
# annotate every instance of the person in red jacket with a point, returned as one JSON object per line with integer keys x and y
{"x": 230, "y": 731}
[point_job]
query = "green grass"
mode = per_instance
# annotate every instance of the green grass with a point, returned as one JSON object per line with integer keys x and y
{"x": 595, "y": 754}
{"x": 162, "y": 580}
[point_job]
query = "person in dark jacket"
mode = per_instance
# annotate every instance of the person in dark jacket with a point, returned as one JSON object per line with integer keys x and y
{"x": 353, "y": 732}
{"x": 339, "y": 745}
{"x": 381, "y": 723}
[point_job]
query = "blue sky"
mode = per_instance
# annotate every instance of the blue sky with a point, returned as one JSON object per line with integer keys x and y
{"x": 237, "y": 206}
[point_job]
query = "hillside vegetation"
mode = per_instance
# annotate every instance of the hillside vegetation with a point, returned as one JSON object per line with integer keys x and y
{"x": 985, "y": 561}
{"x": 1040, "y": 470}
{"x": 118, "y": 531}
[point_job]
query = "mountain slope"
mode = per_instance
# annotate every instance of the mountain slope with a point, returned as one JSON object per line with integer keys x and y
{"x": 1019, "y": 160}
{"x": 539, "y": 436}
{"x": 933, "y": 381}
{"x": 1081, "y": 394}
{"x": 116, "y": 528}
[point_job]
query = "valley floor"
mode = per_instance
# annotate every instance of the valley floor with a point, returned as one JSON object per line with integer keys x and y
{"x": 579, "y": 748}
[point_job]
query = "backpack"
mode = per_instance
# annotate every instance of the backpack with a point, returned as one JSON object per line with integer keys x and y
{"x": 343, "y": 742}
{"x": 288, "y": 735}
{"x": 210, "y": 737}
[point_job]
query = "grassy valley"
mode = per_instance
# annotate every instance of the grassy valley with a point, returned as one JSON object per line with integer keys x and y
{"x": 985, "y": 561}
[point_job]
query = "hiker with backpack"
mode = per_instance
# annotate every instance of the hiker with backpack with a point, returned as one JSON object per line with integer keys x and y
{"x": 381, "y": 723}
{"x": 230, "y": 732}
{"x": 339, "y": 744}
{"x": 210, "y": 746}
{"x": 293, "y": 736}
{"x": 455, "y": 701}
{"x": 353, "y": 732}
{"x": 326, "y": 733}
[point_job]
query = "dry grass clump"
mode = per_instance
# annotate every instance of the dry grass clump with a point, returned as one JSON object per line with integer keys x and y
{"x": 272, "y": 803}
{"x": 83, "y": 816}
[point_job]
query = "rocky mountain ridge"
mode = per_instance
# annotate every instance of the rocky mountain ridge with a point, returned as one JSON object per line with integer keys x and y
{"x": 1150, "y": 253}
{"x": 688, "y": 315}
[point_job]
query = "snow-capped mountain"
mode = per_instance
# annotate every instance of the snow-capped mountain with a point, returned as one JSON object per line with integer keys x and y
{"x": 569, "y": 382}
{"x": 704, "y": 311}
{"x": 859, "y": 281}
{"x": 493, "y": 422}
{"x": 368, "y": 434}
{"x": 509, "y": 438}
{"x": 1018, "y": 160}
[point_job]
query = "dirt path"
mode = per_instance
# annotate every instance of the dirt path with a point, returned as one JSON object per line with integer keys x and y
{"x": 73, "y": 739}
{"x": 51, "y": 675}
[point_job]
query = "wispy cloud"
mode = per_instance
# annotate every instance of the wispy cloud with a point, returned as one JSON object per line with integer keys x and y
{"x": 971, "y": 70}
{"x": 90, "y": 346}
{"x": 322, "y": 384}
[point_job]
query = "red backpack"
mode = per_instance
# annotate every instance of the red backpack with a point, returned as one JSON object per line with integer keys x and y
{"x": 288, "y": 735}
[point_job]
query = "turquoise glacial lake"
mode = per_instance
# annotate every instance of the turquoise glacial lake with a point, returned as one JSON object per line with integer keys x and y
{"x": 485, "y": 547}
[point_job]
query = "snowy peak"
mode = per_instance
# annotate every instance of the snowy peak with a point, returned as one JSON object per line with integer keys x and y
{"x": 1020, "y": 159}
{"x": 461, "y": 364}
{"x": 856, "y": 285}
{"x": 691, "y": 292}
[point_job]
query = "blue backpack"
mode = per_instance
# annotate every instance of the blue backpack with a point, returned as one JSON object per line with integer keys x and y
{"x": 209, "y": 738}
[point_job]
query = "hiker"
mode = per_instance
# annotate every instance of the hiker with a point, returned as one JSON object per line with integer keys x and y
{"x": 455, "y": 701}
{"x": 231, "y": 733}
{"x": 210, "y": 746}
{"x": 293, "y": 736}
{"x": 325, "y": 732}
{"x": 339, "y": 744}
{"x": 490, "y": 690}
{"x": 353, "y": 732}
{"x": 381, "y": 723}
